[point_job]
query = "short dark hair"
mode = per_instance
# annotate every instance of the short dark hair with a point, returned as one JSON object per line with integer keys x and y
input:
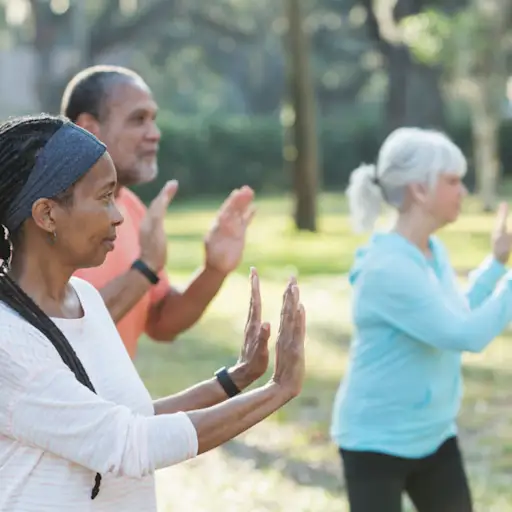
{"x": 21, "y": 139}
{"x": 89, "y": 90}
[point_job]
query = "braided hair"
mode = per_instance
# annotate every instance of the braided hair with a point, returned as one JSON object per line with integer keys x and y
{"x": 21, "y": 139}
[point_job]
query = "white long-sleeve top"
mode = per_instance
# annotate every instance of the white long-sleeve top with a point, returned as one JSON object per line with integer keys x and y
{"x": 55, "y": 434}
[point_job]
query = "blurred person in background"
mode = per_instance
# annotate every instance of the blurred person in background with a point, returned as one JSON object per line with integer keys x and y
{"x": 394, "y": 417}
{"x": 117, "y": 106}
{"x": 78, "y": 429}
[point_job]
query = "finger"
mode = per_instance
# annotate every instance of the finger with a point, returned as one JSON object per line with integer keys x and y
{"x": 255, "y": 296}
{"x": 299, "y": 333}
{"x": 159, "y": 205}
{"x": 289, "y": 309}
{"x": 238, "y": 202}
{"x": 248, "y": 215}
{"x": 264, "y": 334}
{"x": 502, "y": 218}
{"x": 254, "y": 314}
{"x": 287, "y": 291}
{"x": 225, "y": 205}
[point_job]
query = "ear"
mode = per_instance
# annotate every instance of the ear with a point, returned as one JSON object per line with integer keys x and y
{"x": 419, "y": 192}
{"x": 89, "y": 123}
{"x": 43, "y": 213}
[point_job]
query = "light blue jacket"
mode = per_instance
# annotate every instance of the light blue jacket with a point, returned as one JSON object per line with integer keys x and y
{"x": 402, "y": 389}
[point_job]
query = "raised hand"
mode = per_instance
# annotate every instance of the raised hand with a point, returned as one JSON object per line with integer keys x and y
{"x": 225, "y": 242}
{"x": 216, "y": 425}
{"x": 290, "y": 361}
{"x": 253, "y": 358}
{"x": 501, "y": 238}
{"x": 152, "y": 236}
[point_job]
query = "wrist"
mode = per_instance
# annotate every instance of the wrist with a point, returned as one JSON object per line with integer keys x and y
{"x": 149, "y": 263}
{"x": 241, "y": 376}
{"x": 503, "y": 260}
{"x": 282, "y": 394}
{"x": 214, "y": 271}
{"x": 146, "y": 271}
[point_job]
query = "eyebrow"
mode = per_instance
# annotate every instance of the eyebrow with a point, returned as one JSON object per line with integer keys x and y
{"x": 109, "y": 185}
{"x": 144, "y": 111}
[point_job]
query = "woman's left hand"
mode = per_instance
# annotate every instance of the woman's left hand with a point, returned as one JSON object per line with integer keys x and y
{"x": 501, "y": 238}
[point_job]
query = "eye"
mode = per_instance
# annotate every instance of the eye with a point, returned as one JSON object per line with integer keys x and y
{"x": 138, "y": 119}
{"x": 109, "y": 196}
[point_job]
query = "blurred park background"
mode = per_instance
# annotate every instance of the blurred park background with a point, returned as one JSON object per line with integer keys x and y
{"x": 288, "y": 97}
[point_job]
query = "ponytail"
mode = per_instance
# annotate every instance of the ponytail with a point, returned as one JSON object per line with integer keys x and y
{"x": 365, "y": 198}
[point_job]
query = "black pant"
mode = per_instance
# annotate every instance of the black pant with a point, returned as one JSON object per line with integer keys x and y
{"x": 437, "y": 483}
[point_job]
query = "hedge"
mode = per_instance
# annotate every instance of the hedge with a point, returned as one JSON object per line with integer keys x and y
{"x": 213, "y": 156}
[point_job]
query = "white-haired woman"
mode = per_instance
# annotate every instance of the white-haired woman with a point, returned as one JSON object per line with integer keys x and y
{"x": 394, "y": 417}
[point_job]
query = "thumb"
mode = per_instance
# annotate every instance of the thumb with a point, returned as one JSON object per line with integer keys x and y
{"x": 264, "y": 334}
{"x": 159, "y": 205}
{"x": 299, "y": 330}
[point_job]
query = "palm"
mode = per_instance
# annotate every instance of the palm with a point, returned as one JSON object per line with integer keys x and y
{"x": 501, "y": 238}
{"x": 225, "y": 241}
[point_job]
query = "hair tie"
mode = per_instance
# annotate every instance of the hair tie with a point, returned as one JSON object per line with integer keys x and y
{"x": 375, "y": 179}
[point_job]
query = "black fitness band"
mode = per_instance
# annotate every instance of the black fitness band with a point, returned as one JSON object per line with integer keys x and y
{"x": 226, "y": 382}
{"x": 145, "y": 271}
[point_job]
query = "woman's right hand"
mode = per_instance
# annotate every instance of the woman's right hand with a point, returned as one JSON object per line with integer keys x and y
{"x": 290, "y": 362}
{"x": 222, "y": 422}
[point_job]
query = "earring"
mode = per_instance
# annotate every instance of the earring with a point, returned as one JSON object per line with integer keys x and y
{"x": 52, "y": 237}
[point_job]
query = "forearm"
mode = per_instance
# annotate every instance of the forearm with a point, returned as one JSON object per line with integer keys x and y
{"x": 122, "y": 293}
{"x": 483, "y": 280}
{"x": 178, "y": 311}
{"x": 82, "y": 428}
{"x": 202, "y": 395}
{"x": 220, "y": 423}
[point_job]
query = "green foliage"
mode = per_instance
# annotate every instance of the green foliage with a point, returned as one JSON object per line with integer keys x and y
{"x": 458, "y": 41}
{"x": 211, "y": 156}
{"x": 427, "y": 34}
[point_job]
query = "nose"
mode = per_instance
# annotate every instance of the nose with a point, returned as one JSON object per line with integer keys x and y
{"x": 153, "y": 132}
{"x": 116, "y": 216}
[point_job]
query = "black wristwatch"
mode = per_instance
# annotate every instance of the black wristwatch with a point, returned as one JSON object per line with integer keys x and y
{"x": 226, "y": 382}
{"x": 145, "y": 271}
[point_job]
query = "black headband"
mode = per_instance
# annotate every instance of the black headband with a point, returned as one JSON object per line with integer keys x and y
{"x": 65, "y": 158}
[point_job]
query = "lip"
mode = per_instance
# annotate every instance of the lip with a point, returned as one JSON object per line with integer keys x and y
{"x": 150, "y": 153}
{"x": 109, "y": 242}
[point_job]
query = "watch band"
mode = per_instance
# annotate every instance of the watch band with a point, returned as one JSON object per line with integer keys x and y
{"x": 145, "y": 271}
{"x": 226, "y": 382}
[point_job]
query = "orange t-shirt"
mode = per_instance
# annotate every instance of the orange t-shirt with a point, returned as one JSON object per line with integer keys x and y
{"x": 119, "y": 261}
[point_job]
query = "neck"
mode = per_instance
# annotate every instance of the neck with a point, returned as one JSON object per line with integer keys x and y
{"x": 42, "y": 277}
{"x": 416, "y": 230}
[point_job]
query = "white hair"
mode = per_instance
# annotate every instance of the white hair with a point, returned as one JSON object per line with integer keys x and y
{"x": 408, "y": 155}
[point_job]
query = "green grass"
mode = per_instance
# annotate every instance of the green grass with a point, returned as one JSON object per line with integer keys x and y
{"x": 288, "y": 462}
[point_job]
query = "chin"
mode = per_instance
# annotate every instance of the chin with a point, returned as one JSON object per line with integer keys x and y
{"x": 144, "y": 173}
{"x": 453, "y": 218}
{"x": 97, "y": 261}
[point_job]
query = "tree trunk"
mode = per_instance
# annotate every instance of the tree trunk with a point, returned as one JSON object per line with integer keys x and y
{"x": 414, "y": 92}
{"x": 301, "y": 90}
{"x": 414, "y": 89}
{"x": 489, "y": 85}
{"x": 485, "y": 128}
{"x": 49, "y": 28}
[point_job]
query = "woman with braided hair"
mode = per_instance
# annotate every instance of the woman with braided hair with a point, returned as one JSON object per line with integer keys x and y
{"x": 78, "y": 429}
